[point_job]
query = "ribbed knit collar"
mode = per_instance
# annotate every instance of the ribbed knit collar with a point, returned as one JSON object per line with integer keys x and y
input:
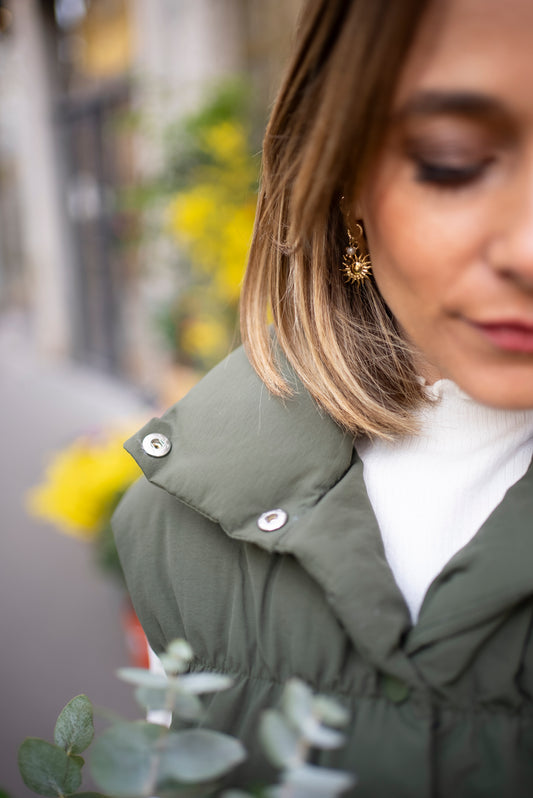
{"x": 432, "y": 491}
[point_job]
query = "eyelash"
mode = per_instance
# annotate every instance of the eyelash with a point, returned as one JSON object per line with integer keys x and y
{"x": 445, "y": 176}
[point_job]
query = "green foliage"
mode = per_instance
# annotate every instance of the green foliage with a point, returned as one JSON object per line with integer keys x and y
{"x": 47, "y": 769}
{"x": 185, "y": 140}
{"x": 203, "y": 203}
{"x": 196, "y": 756}
{"x": 123, "y": 759}
{"x": 186, "y": 706}
{"x": 55, "y": 770}
{"x": 74, "y": 729}
{"x": 139, "y": 759}
{"x": 288, "y": 734}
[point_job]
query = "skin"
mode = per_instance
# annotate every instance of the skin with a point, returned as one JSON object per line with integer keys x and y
{"x": 448, "y": 211}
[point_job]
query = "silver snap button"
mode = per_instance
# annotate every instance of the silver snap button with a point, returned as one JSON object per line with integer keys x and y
{"x": 272, "y": 520}
{"x": 156, "y": 445}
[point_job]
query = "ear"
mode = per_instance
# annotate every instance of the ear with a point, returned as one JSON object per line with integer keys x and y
{"x": 359, "y": 207}
{"x": 349, "y": 211}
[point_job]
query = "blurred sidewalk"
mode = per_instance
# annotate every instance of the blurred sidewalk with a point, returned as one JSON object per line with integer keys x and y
{"x": 60, "y": 617}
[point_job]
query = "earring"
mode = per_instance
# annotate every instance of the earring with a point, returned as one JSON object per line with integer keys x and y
{"x": 356, "y": 264}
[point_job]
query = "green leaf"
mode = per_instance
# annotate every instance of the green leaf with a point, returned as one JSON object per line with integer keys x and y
{"x": 329, "y": 711}
{"x": 297, "y": 702}
{"x": 170, "y": 664}
{"x": 47, "y": 769}
{"x": 140, "y": 676}
{"x": 320, "y": 736}
{"x": 280, "y": 742}
{"x": 123, "y": 758}
{"x": 199, "y": 755}
{"x": 151, "y": 697}
{"x": 74, "y": 729}
{"x": 180, "y": 651}
{"x": 187, "y": 707}
{"x": 197, "y": 683}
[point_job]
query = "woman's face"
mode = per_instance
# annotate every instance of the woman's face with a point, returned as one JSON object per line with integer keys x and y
{"x": 448, "y": 211}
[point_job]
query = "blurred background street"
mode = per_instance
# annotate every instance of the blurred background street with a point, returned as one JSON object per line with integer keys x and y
{"x": 61, "y": 631}
{"x": 130, "y": 133}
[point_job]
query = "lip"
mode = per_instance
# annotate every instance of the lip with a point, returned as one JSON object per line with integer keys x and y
{"x": 512, "y": 335}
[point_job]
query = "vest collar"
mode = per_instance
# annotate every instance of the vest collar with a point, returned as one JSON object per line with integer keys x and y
{"x": 238, "y": 452}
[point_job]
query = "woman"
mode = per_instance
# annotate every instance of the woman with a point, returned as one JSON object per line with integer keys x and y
{"x": 396, "y": 574}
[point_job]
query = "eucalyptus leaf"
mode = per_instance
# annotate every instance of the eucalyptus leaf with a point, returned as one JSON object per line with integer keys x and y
{"x": 330, "y": 712}
{"x": 198, "y": 683}
{"x": 171, "y": 664}
{"x": 320, "y": 736}
{"x": 142, "y": 677}
{"x": 199, "y": 755}
{"x": 124, "y": 758}
{"x": 310, "y": 781}
{"x": 297, "y": 702}
{"x": 47, "y": 769}
{"x": 151, "y": 697}
{"x": 181, "y": 652}
{"x": 74, "y": 729}
{"x": 180, "y": 649}
{"x": 280, "y": 742}
{"x": 187, "y": 707}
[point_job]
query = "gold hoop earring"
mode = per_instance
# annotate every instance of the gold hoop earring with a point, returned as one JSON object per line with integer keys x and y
{"x": 356, "y": 263}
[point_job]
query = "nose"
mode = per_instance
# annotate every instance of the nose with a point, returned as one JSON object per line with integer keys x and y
{"x": 511, "y": 248}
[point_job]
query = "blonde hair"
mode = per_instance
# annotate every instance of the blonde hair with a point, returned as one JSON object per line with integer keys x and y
{"x": 325, "y": 130}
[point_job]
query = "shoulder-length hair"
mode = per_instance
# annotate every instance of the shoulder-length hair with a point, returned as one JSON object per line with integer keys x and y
{"x": 324, "y": 133}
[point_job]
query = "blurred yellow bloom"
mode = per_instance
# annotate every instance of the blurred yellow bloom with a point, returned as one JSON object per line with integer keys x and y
{"x": 216, "y": 234}
{"x": 226, "y": 141}
{"x": 234, "y": 245}
{"x": 205, "y": 336}
{"x": 82, "y": 483}
{"x": 191, "y": 213}
{"x": 211, "y": 220}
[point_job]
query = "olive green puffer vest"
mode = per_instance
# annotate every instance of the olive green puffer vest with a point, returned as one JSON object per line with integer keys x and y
{"x": 444, "y": 708}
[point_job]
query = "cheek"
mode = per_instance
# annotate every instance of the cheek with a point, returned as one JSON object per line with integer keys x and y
{"x": 406, "y": 255}
{"x": 422, "y": 246}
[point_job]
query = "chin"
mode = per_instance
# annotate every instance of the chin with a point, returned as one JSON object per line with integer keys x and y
{"x": 507, "y": 389}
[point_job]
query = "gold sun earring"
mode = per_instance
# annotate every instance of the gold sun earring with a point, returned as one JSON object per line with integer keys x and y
{"x": 356, "y": 263}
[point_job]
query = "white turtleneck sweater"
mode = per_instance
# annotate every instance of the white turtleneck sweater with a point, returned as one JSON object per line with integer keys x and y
{"x": 432, "y": 492}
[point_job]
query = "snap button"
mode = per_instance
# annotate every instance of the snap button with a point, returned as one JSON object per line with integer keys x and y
{"x": 272, "y": 520}
{"x": 156, "y": 445}
{"x": 394, "y": 689}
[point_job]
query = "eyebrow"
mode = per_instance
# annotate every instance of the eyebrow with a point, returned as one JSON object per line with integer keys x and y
{"x": 434, "y": 103}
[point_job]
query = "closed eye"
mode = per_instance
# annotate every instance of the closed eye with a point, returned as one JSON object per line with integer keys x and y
{"x": 448, "y": 175}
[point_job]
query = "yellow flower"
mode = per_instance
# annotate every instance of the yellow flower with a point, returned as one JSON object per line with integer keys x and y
{"x": 211, "y": 220}
{"x": 82, "y": 483}
{"x": 216, "y": 234}
{"x": 226, "y": 141}
{"x": 205, "y": 338}
{"x": 190, "y": 214}
{"x": 234, "y": 245}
